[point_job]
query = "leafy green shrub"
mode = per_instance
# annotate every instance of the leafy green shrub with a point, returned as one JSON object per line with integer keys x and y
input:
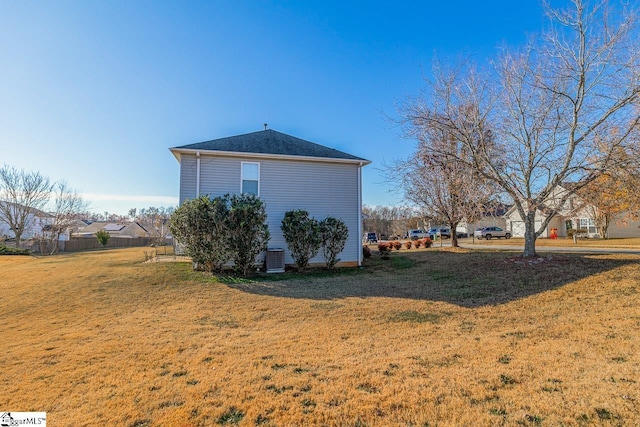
{"x": 579, "y": 232}
{"x": 103, "y": 237}
{"x": 302, "y": 235}
{"x": 201, "y": 226}
{"x": 334, "y": 234}
{"x": 247, "y": 230}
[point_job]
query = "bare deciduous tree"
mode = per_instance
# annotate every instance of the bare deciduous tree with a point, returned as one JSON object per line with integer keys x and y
{"x": 22, "y": 196}
{"x": 155, "y": 221}
{"x": 549, "y": 106}
{"x": 445, "y": 189}
{"x": 389, "y": 221}
{"x": 67, "y": 207}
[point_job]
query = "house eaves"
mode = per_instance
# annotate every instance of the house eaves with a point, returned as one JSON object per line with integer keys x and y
{"x": 268, "y": 144}
{"x": 178, "y": 151}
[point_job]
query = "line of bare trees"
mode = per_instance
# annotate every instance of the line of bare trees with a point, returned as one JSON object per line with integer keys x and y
{"x": 155, "y": 220}
{"x": 389, "y": 221}
{"x": 24, "y": 197}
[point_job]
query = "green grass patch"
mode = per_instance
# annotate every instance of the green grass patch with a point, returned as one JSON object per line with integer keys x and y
{"x": 402, "y": 263}
{"x": 6, "y": 250}
{"x": 416, "y": 317}
{"x": 231, "y": 416}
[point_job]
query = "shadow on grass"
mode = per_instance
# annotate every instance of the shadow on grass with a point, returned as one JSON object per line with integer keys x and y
{"x": 468, "y": 279}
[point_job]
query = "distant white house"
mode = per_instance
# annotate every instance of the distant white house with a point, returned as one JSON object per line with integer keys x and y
{"x": 128, "y": 230}
{"x": 576, "y": 213}
{"x": 37, "y": 220}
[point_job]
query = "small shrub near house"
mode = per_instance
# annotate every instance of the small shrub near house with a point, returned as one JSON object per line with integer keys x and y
{"x": 302, "y": 234}
{"x": 200, "y": 226}
{"x": 384, "y": 249}
{"x": 247, "y": 230}
{"x": 396, "y": 245}
{"x": 417, "y": 244}
{"x": 427, "y": 242}
{"x": 366, "y": 252}
{"x": 580, "y": 232}
{"x": 215, "y": 231}
{"x": 334, "y": 234}
{"x": 408, "y": 244}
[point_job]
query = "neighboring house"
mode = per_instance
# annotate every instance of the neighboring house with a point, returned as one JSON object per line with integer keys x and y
{"x": 287, "y": 173}
{"x": 36, "y": 222}
{"x": 576, "y": 214}
{"x": 128, "y": 230}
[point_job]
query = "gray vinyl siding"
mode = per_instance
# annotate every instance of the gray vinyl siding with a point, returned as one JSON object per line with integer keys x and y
{"x": 219, "y": 176}
{"x": 187, "y": 177}
{"x": 322, "y": 189}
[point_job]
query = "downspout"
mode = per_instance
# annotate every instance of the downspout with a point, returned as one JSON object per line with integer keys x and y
{"x": 359, "y": 236}
{"x": 197, "y": 174}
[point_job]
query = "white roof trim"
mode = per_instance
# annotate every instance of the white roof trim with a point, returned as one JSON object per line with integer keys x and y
{"x": 178, "y": 151}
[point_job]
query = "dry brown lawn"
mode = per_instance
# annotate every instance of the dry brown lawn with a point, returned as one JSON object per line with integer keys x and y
{"x": 460, "y": 338}
{"x": 563, "y": 242}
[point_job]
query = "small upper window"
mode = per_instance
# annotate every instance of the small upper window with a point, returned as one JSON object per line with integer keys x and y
{"x": 251, "y": 178}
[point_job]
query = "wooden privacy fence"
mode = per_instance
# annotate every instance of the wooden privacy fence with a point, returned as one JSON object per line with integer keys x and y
{"x": 86, "y": 243}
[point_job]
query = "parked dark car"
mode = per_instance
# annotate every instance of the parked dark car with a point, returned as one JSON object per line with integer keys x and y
{"x": 371, "y": 238}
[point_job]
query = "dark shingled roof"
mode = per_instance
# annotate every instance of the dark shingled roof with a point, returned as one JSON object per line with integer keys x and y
{"x": 270, "y": 142}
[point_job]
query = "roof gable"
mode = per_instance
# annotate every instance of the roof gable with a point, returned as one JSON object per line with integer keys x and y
{"x": 270, "y": 142}
{"x": 35, "y": 212}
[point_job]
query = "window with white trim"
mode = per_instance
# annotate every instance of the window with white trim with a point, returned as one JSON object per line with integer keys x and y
{"x": 250, "y": 178}
{"x": 588, "y": 224}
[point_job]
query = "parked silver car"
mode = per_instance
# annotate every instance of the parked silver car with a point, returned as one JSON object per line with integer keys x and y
{"x": 491, "y": 232}
{"x": 416, "y": 234}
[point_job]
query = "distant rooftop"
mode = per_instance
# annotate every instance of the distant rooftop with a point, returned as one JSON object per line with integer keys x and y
{"x": 270, "y": 142}
{"x": 114, "y": 227}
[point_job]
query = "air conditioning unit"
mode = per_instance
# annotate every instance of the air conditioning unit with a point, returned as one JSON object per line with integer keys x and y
{"x": 275, "y": 260}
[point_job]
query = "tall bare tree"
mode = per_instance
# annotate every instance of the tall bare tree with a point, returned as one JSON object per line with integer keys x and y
{"x": 443, "y": 188}
{"x": 549, "y": 106}
{"x": 22, "y": 196}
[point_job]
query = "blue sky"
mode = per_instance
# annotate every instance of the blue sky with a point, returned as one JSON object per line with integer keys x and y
{"x": 95, "y": 93}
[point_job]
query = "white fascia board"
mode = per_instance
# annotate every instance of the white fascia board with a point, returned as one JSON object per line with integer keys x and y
{"x": 178, "y": 151}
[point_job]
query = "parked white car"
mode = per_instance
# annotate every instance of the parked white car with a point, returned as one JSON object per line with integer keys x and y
{"x": 491, "y": 232}
{"x": 416, "y": 234}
